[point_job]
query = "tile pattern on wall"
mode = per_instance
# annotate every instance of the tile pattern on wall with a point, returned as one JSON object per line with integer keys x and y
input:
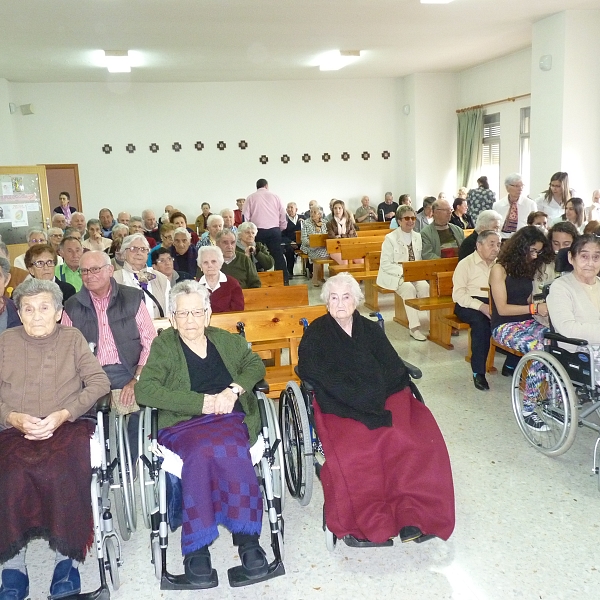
{"x": 154, "y": 148}
{"x": 285, "y": 159}
{"x": 263, "y": 159}
{"x": 365, "y": 156}
{"x": 176, "y": 146}
{"x": 221, "y": 145}
{"x": 243, "y": 145}
{"x": 326, "y": 157}
{"x": 199, "y": 146}
{"x": 107, "y": 148}
{"x": 130, "y": 148}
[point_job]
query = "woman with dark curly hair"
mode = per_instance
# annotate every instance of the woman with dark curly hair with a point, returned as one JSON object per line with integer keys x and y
{"x": 514, "y": 313}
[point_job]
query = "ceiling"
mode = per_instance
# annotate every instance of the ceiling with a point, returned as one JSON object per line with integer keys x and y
{"x": 242, "y": 40}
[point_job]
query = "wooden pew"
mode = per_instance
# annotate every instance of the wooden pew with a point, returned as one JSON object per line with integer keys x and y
{"x": 270, "y": 278}
{"x": 350, "y": 249}
{"x": 317, "y": 240}
{"x": 375, "y": 225}
{"x": 278, "y": 296}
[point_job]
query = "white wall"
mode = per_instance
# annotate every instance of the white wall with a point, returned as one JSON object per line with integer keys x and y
{"x": 8, "y": 154}
{"x": 73, "y": 121}
{"x": 505, "y": 77}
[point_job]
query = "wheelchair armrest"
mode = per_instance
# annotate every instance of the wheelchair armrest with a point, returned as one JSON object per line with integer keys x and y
{"x": 557, "y": 337}
{"x": 261, "y": 386}
{"x": 413, "y": 371}
{"x": 103, "y": 403}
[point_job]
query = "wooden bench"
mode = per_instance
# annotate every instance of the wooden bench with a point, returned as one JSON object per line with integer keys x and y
{"x": 275, "y": 330}
{"x": 270, "y": 278}
{"x": 489, "y": 365}
{"x": 318, "y": 240}
{"x": 374, "y": 225}
{"x": 352, "y": 249}
{"x": 275, "y": 296}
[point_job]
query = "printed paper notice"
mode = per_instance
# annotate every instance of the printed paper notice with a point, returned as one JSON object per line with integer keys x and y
{"x": 7, "y": 188}
{"x": 5, "y": 213}
{"x": 18, "y": 185}
{"x": 19, "y": 215}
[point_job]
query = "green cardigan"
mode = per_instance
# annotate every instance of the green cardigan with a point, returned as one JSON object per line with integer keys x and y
{"x": 165, "y": 382}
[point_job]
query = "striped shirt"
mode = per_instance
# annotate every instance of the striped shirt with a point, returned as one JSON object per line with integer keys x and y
{"x": 106, "y": 353}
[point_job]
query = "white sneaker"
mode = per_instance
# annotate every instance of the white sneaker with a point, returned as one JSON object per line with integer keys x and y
{"x": 417, "y": 335}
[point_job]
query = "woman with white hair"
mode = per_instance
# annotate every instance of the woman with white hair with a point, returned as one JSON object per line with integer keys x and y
{"x": 515, "y": 207}
{"x": 214, "y": 224}
{"x": 367, "y": 413}
{"x": 135, "y": 273}
{"x": 225, "y": 292}
{"x": 34, "y": 236}
{"x": 258, "y": 253}
{"x": 487, "y": 220}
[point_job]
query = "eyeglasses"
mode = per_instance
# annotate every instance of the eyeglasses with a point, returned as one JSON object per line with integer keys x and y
{"x": 409, "y": 218}
{"x": 195, "y": 312}
{"x": 534, "y": 251}
{"x": 139, "y": 249}
{"x": 91, "y": 270}
{"x": 166, "y": 259}
{"x": 42, "y": 241}
{"x": 40, "y": 264}
{"x": 56, "y": 235}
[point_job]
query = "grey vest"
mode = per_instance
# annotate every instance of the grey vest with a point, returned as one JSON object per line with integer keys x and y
{"x": 122, "y": 308}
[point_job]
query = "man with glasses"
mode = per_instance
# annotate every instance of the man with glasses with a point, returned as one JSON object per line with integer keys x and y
{"x": 71, "y": 250}
{"x": 514, "y": 207}
{"x": 441, "y": 239}
{"x": 34, "y": 236}
{"x": 115, "y": 322}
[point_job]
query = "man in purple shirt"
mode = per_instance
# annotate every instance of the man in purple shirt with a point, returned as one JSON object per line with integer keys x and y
{"x": 267, "y": 212}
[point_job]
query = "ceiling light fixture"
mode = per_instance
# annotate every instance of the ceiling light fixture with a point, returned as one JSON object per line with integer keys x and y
{"x": 337, "y": 59}
{"x": 436, "y": 1}
{"x": 117, "y": 62}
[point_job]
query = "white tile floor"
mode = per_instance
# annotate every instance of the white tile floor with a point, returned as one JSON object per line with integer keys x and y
{"x": 525, "y": 524}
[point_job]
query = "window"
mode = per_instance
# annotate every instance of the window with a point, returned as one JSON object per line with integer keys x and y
{"x": 524, "y": 143}
{"x": 490, "y": 165}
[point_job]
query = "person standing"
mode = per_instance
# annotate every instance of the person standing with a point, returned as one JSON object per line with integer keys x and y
{"x": 266, "y": 211}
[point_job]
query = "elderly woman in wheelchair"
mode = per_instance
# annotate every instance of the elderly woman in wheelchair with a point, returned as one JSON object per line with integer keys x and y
{"x": 201, "y": 379}
{"x": 387, "y": 470}
{"x": 569, "y": 366}
{"x": 48, "y": 379}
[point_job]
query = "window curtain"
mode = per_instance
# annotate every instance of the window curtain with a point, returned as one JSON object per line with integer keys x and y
{"x": 470, "y": 140}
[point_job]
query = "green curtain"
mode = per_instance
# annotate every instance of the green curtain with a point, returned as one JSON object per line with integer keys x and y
{"x": 470, "y": 142}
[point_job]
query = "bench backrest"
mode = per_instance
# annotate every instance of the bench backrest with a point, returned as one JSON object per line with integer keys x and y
{"x": 419, "y": 270}
{"x": 443, "y": 284}
{"x": 354, "y": 247}
{"x": 372, "y": 261}
{"x": 371, "y": 226}
{"x": 278, "y": 296}
{"x": 371, "y": 232}
{"x": 270, "y": 278}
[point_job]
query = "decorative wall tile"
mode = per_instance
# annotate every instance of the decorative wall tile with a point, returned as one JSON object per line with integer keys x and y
{"x": 385, "y": 154}
{"x": 285, "y": 159}
{"x": 154, "y": 148}
{"x": 263, "y": 159}
{"x": 243, "y": 144}
{"x": 221, "y": 145}
{"x": 199, "y": 146}
{"x": 326, "y": 157}
{"x": 306, "y": 158}
{"x": 130, "y": 148}
{"x": 345, "y": 156}
{"x": 176, "y": 146}
{"x": 107, "y": 148}
{"x": 365, "y": 156}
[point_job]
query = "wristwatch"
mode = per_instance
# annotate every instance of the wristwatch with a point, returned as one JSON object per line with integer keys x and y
{"x": 236, "y": 389}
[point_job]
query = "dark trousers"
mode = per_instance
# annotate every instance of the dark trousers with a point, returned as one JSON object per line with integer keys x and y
{"x": 271, "y": 238}
{"x": 481, "y": 332}
{"x": 290, "y": 255}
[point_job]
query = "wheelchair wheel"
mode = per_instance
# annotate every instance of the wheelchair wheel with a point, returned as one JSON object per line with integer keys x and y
{"x": 148, "y": 485}
{"x": 297, "y": 443}
{"x": 553, "y": 426}
{"x": 157, "y": 558}
{"x": 277, "y": 467}
{"x": 118, "y": 484}
{"x": 111, "y": 562}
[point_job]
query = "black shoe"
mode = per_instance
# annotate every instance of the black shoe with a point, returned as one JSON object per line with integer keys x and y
{"x": 508, "y": 371}
{"x": 198, "y": 566}
{"x": 480, "y": 382}
{"x": 410, "y": 533}
{"x": 254, "y": 559}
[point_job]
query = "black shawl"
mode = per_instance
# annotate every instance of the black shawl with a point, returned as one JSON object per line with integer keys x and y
{"x": 352, "y": 376}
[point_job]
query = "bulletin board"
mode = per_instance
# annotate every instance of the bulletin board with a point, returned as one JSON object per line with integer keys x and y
{"x": 23, "y": 202}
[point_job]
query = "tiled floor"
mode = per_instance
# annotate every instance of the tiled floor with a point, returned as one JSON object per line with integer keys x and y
{"x": 525, "y": 523}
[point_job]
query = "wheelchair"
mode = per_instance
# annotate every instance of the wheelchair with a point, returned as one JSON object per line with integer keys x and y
{"x": 566, "y": 394}
{"x": 303, "y": 452}
{"x": 153, "y": 495}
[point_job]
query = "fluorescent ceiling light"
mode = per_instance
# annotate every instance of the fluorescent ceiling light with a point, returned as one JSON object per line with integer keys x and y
{"x": 337, "y": 59}
{"x": 436, "y": 1}
{"x": 117, "y": 62}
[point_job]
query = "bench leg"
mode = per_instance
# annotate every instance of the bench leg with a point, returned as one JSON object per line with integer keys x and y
{"x": 440, "y": 333}
{"x": 400, "y": 311}
{"x": 371, "y": 295}
{"x": 489, "y": 364}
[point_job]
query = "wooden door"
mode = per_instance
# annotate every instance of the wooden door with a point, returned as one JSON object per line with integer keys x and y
{"x": 63, "y": 178}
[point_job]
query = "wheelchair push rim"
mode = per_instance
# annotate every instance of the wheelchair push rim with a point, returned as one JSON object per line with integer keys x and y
{"x": 542, "y": 381}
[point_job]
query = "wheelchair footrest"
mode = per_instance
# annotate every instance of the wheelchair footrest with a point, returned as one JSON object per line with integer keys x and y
{"x": 238, "y": 577}
{"x": 353, "y": 542}
{"x": 181, "y": 582}
{"x": 102, "y": 593}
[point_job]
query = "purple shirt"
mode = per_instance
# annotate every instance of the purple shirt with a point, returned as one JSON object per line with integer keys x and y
{"x": 265, "y": 210}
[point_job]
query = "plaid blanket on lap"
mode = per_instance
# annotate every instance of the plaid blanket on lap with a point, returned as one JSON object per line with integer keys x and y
{"x": 218, "y": 482}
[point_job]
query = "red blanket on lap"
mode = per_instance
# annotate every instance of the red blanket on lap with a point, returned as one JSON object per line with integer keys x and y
{"x": 45, "y": 490}
{"x": 376, "y": 481}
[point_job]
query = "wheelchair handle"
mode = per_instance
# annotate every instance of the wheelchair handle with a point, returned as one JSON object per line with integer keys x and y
{"x": 557, "y": 337}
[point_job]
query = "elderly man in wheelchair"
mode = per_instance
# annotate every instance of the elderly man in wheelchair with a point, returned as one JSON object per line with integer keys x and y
{"x": 566, "y": 374}
{"x": 48, "y": 379}
{"x": 201, "y": 379}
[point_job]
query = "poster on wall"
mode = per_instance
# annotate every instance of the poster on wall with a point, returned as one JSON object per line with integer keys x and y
{"x": 7, "y": 188}
{"x": 19, "y": 215}
{"x": 18, "y": 185}
{"x": 5, "y": 213}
